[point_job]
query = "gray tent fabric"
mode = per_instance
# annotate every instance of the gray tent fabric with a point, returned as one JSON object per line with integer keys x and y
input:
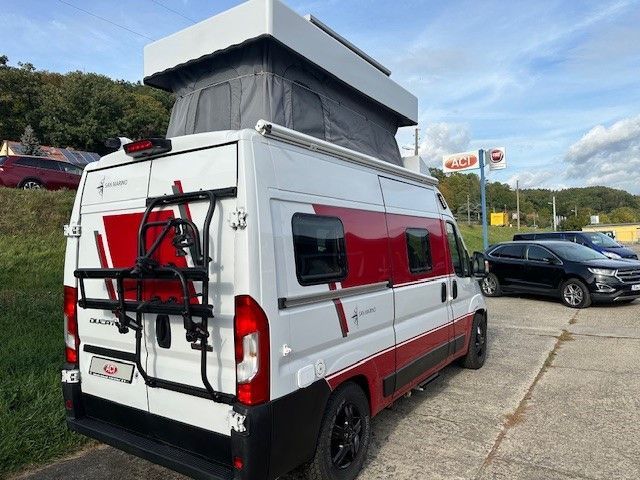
{"x": 263, "y": 79}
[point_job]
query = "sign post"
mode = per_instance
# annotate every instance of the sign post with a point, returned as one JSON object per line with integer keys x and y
{"x": 459, "y": 162}
{"x": 483, "y": 201}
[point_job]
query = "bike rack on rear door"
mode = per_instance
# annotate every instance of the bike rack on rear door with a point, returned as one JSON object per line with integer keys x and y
{"x": 186, "y": 235}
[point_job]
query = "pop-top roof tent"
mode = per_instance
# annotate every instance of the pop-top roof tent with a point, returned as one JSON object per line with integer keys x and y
{"x": 261, "y": 60}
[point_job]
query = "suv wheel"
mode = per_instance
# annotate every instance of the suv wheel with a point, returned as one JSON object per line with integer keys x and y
{"x": 31, "y": 185}
{"x": 575, "y": 294}
{"x": 344, "y": 436}
{"x": 491, "y": 286}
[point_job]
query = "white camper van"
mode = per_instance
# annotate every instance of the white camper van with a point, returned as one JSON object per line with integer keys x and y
{"x": 243, "y": 296}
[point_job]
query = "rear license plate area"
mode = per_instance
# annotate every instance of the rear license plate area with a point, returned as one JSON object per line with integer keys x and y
{"x": 111, "y": 369}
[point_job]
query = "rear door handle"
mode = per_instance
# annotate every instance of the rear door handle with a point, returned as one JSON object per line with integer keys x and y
{"x": 443, "y": 292}
{"x": 455, "y": 289}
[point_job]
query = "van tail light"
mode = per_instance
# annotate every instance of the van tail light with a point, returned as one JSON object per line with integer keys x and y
{"x": 251, "y": 331}
{"x": 147, "y": 147}
{"x": 71, "y": 339}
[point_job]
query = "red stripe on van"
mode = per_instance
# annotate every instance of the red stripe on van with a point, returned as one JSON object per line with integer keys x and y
{"x": 102, "y": 256}
{"x": 380, "y": 365}
{"x": 342, "y": 318}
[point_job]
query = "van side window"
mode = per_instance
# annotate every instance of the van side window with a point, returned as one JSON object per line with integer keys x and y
{"x": 319, "y": 248}
{"x": 459, "y": 256}
{"x": 418, "y": 250}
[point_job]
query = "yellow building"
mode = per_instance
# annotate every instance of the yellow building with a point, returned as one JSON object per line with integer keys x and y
{"x": 500, "y": 219}
{"x": 623, "y": 232}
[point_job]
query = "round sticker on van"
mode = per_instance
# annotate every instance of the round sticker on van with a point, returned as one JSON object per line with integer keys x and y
{"x": 110, "y": 369}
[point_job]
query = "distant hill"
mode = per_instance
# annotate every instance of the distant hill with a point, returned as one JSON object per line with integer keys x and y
{"x": 612, "y": 205}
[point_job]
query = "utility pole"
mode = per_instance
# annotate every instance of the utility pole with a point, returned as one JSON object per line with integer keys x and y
{"x": 518, "y": 201}
{"x": 468, "y": 209}
{"x": 555, "y": 219}
{"x": 483, "y": 201}
{"x": 415, "y": 149}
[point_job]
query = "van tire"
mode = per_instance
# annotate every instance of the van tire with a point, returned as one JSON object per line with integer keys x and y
{"x": 575, "y": 294}
{"x": 477, "y": 352}
{"x": 349, "y": 397}
{"x": 490, "y": 286}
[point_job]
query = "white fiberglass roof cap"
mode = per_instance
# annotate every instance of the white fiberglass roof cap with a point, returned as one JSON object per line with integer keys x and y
{"x": 306, "y": 36}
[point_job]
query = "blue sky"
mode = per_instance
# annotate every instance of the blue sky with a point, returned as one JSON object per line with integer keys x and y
{"x": 557, "y": 82}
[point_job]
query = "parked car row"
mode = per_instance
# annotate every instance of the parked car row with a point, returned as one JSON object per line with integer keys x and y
{"x": 38, "y": 172}
{"x": 577, "y": 274}
{"x": 595, "y": 240}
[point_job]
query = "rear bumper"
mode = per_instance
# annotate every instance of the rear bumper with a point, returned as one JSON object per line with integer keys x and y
{"x": 168, "y": 456}
{"x": 280, "y": 435}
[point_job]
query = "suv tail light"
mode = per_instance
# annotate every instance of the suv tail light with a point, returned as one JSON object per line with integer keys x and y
{"x": 147, "y": 147}
{"x": 251, "y": 331}
{"x": 71, "y": 339}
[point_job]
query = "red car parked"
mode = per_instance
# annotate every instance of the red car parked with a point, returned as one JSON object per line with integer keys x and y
{"x": 38, "y": 172}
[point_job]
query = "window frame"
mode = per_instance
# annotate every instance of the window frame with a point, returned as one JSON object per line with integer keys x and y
{"x": 429, "y": 267}
{"x": 543, "y": 248}
{"x": 462, "y": 252}
{"x": 342, "y": 258}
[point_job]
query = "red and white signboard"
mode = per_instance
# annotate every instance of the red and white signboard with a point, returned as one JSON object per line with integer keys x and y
{"x": 496, "y": 158}
{"x": 459, "y": 162}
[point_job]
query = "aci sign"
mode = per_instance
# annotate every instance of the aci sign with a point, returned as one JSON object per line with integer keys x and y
{"x": 460, "y": 161}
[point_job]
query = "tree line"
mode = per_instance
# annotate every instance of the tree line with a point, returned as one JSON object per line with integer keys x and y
{"x": 575, "y": 205}
{"x": 77, "y": 109}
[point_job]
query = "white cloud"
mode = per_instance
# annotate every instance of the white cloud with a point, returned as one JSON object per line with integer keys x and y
{"x": 608, "y": 156}
{"x": 441, "y": 138}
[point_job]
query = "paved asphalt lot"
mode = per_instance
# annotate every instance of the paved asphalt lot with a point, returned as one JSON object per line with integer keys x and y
{"x": 559, "y": 398}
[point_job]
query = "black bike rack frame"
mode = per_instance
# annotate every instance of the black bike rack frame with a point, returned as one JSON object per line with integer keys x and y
{"x": 146, "y": 268}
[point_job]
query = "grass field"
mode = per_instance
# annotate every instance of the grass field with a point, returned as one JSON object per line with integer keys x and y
{"x": 32, "y": 428}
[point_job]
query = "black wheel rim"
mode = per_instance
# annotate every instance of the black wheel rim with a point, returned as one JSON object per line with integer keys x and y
{"x": 480, "y": 339}
{"x": 346, "y": 435}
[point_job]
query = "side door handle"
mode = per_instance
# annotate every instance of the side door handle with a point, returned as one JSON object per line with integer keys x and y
{"x": 443, "y": 292}
{"x": 455, "y": 289}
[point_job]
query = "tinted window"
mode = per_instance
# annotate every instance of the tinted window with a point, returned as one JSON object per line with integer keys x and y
{"x": 37, "y": 163}
{"x": 601, "y": 240}
{"x": 2, "y": 159}
{"x": 523, "y": 236}
{"x": 69, "y": 168}
{"x": 538, "y": 254}
{"x": 418, "y": 250}
{"x": 576, "y": 253}
{"x": 513, "y": 252}
{"x": 319, "y": 248}
{"x": 549, "y": 236}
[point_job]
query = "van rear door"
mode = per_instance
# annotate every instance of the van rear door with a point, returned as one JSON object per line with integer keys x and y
{"x": 113, "y": 205}
{"x": 106, "y": 356}
{"x": 175, "y": 359}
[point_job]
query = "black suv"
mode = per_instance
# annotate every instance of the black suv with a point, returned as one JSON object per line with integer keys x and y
{"x": 575, "y": 273}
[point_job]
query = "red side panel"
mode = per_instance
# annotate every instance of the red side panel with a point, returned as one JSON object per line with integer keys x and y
{"x": 122, "y": 238}
{"x": 398, "y": 224}
{"x": 366, "y": 242}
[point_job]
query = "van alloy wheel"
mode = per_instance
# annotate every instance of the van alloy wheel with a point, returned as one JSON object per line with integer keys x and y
{"x": 573, "y": 294}
{"x": 346, "y": 436}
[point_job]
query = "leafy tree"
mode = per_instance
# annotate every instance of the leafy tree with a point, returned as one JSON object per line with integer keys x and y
{"x": 624, "y": 215}
{"x": 30, "y": 143}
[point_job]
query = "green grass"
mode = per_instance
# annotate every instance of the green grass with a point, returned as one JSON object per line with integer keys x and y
{"x": 32, "y": 427}
{"x": 472, "y": 235}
